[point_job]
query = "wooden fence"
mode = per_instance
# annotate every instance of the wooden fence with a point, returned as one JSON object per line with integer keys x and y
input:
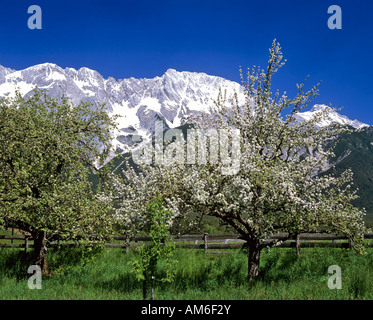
{"x": 205, "y": 241}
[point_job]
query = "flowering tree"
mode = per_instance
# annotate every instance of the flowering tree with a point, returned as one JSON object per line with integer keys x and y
{"x": 137, "y": 188}
{"x": 278, "y": 186}
{"x": 48, "y": 150}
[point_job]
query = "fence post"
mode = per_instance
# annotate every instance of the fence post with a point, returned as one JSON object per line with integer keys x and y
{"x": 350, "y": 243}
{"x": 26, "y": 242}
{"x": 297, "y": 243}
{"x": 11, "y": 241}
{"x": 127, "y": 244}
{"x": 205, "y": 239}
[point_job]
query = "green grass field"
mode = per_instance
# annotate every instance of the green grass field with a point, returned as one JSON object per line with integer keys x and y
{"x": 81, "y": 274}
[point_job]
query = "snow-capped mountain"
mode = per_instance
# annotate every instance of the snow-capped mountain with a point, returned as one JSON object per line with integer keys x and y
{"x": 170, "y": 97}
{"x": 334, "y": 117}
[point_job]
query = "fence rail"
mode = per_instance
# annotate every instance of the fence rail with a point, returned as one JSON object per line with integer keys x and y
{"x": 206, "y": 241}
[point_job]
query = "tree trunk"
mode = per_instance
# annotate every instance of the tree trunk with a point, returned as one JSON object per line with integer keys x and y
{"x": 40, "y": 250}
{"x": 254, "y": 259}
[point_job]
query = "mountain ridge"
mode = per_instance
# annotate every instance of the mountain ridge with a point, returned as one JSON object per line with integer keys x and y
{"x": 170, "y": 97}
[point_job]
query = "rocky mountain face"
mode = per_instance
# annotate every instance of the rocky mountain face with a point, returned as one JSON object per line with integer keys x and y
{"x": 139, "y": 102}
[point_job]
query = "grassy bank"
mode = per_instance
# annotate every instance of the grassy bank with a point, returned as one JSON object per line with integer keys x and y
{"x": 105, "y": 274}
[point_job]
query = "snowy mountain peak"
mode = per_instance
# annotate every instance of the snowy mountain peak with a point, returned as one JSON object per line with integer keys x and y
{"x": 45, "y": 65}
{"x": 171, "y": 71}
{"x": 319, "y": 107}
{"x": 334, "y": 117}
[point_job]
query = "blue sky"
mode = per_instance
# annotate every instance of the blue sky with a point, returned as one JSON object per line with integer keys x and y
{"x": 144, "y": 38}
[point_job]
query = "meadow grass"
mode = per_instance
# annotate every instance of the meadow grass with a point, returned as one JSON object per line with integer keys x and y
{"x": 101, "y": 273}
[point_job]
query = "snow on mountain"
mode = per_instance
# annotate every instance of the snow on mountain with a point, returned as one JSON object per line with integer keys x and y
{"x": 170, "y": 97}
{"x": 4, "y": 72}
{"x": 140, "y": 102}
{"x": 334, "y": 117}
